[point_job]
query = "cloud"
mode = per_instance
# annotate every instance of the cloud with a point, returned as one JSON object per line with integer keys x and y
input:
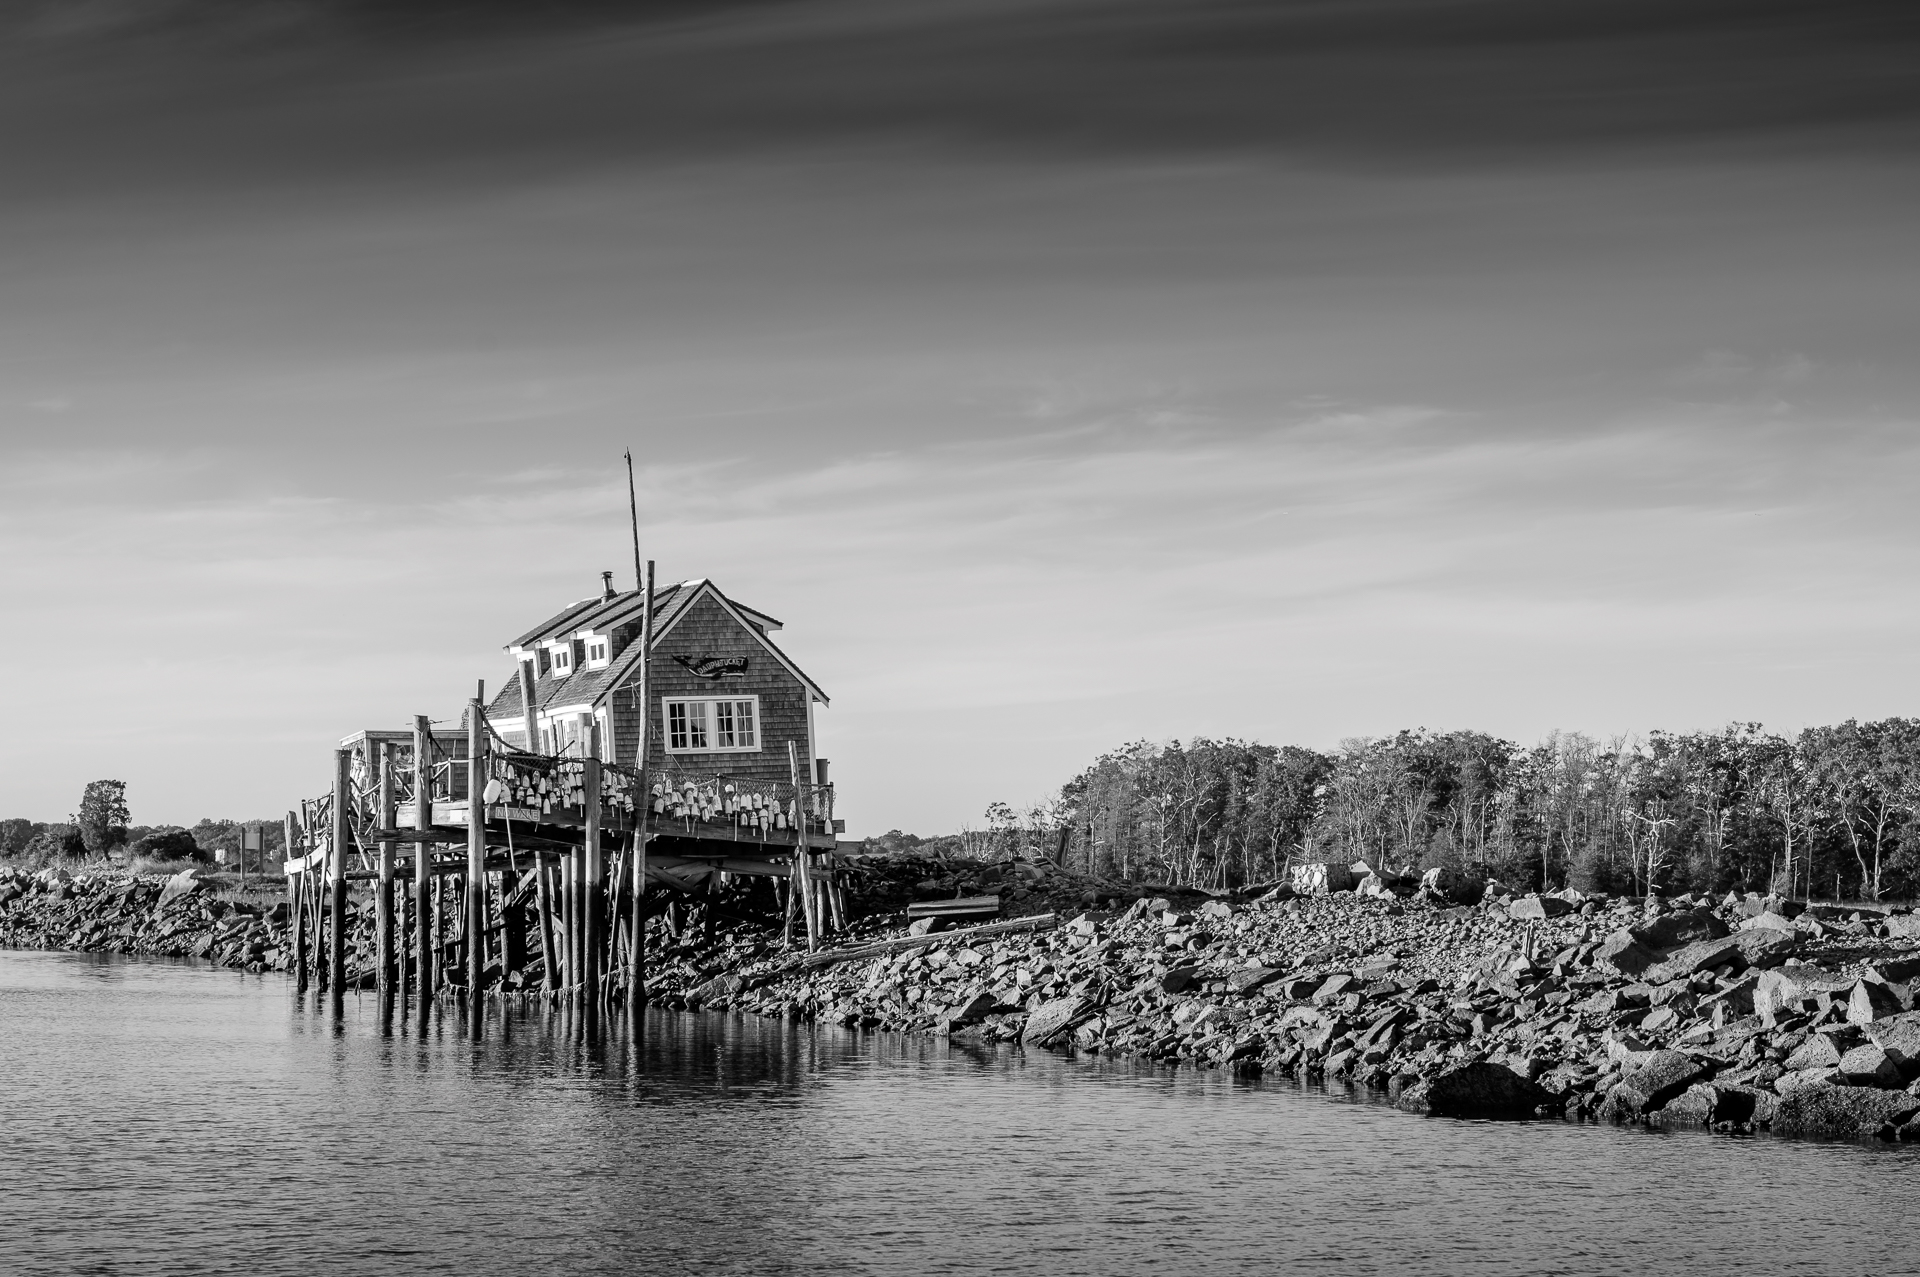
{"x": 989, "y": 614}
{"x": 297, "y": 93}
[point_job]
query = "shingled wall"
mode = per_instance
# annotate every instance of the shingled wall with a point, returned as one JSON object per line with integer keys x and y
{"x": 707, "y": 630}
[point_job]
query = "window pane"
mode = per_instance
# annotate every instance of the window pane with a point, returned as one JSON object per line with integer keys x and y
{"x": 743, "y": 724}
{"x": 697, "y": 725}
{"x": 723, "y": 725}
{"x": 677, "y": 726}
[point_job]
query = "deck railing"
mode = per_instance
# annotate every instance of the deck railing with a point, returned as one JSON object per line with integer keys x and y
{"x": 705, "y": 802}
{"x": 709, "y": 804}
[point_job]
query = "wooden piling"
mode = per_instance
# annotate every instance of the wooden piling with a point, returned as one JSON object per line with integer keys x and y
{"x": 637, "y": 949}
{"x": 296, "y": 917}
{"x": 569, "y": 919}
{"x": 423, "y": 861}
{"x": 801, "y": 870}
{"x": 476, "y": 857}
{"x": 315, "y": 889}
{"x": 383, "y": 900}
{"x": 596, "y": 879}
{"x": 549, "y": 959}
{"x": 337, "y": 870}
{"x": 637, "y": 932}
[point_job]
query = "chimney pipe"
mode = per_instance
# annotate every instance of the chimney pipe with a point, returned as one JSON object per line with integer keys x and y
{"x": 606, "y": 586}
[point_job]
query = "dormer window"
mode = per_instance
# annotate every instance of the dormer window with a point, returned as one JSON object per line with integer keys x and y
{"x": 596, "y": 653}
{"x": 563, "y": 660}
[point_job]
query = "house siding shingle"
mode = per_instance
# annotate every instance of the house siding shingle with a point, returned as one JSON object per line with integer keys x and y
{"x": 707, "y": 630}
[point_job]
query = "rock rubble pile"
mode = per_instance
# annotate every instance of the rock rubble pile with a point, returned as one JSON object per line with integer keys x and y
{"x": 1749, "y": 1014}
{"x": 1745, "y": 1014}
{"x": 184, "y": 916}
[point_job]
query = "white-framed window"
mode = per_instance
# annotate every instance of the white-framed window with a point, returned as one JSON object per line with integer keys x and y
{"x": 563, "y": 659}
{"x": 711, "y": 724}
{"x": 596, "y": 652}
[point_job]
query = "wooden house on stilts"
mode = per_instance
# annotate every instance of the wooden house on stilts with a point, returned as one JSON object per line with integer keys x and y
{"x": 649, "y": 742}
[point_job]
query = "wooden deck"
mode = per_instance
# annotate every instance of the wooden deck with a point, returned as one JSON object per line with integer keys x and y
{"x": 587, "y": 840}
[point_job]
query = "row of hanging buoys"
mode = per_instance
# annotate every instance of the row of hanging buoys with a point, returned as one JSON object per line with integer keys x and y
{"x": 718, "y": 802}
{"x": 616, "y": 789}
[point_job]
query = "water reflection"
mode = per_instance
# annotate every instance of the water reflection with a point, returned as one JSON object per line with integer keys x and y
{"x": 169, "y": 1117}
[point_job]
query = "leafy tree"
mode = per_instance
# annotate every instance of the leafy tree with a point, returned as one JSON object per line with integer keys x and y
{"x": 102, "y": 820}
{"x": 15, "y": 834}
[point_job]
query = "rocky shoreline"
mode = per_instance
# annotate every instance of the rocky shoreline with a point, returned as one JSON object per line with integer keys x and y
{"x": 1741, "y": 1015}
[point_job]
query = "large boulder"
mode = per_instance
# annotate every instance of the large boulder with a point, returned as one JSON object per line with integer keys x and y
{"x": 1708, "y": 1103}
{"x": 1375, "y": 887}
{"x": 1819, "y": 1051}
{"x": 1896, "y": 970}
{"x": 1766, "y": 920}
{"x": 185, "y": 883}
{"x": 1663, "y": 1076}
{"x": 1537, "y": 908}
{"x": 1869, "y": 1001}
{"x": 1179, "y": 980}
{"x": 1766, "y": 947}
{"x": 1251, "y": 979}
{"x": 721, "y": 986}
{"x": 1899, "y": 1037}
{"x": 1625, "y": 954}
{"x": 1318, "y": 878}
{"x": 1682, "y": 927}
{"x": 1442, "y": 883}
{"x": 1482, "y": 1090}
{"x": 1701, "y": 955}
{"x": 1842, "y": 1112}
{"x": 1783, "y": 987}
{"x": 1053, "y": 1020}
{"x": 1904, "y": 926}
{"x": 1870, "y": 1065}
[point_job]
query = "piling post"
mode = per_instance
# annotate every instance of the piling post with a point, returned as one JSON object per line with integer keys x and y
{"x": 296, "y": 919}
{"x": 569, "y": 957}
{"x": 337, "y": 874}
{"x": 383, "y": 899}
{"x": 801, "y": 869}
{"x": 423, "y": 861}
{"x": 643, "y": 751}
{"x": 476, "y": 857}
{"x": 543, "y": 894}
{"x": 595, "y": 876}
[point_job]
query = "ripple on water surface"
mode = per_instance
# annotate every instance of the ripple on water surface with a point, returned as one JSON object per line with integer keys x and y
{"x": 164, "y": 1117}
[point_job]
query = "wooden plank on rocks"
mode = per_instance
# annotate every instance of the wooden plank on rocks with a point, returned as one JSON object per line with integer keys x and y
{"x": 961, "y": 907}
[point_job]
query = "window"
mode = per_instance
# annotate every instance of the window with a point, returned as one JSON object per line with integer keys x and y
{"x": 562, "y": 660}
{"x": 712, "y": 725}
{"x": 597, "y": 652}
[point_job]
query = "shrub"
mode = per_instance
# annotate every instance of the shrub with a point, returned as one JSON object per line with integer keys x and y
{"x": 166, "y": 844}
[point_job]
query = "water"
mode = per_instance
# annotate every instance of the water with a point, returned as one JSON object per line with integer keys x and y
{"x": 164, "y": 1117}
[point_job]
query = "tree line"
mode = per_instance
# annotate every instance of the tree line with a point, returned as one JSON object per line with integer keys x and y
{"x": 102, "y": 827}
{"x": 1829, "y": 811}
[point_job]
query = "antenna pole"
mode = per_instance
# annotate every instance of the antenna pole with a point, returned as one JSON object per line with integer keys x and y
{"x": 633, "y": 512}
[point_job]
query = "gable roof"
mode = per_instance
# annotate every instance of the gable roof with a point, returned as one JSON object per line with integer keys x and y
{"x": 589, "y": 686}
{"x": 738, "y": 613}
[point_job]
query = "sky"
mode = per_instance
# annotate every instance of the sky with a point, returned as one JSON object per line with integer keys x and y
{"x": 1061, "y": 372}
